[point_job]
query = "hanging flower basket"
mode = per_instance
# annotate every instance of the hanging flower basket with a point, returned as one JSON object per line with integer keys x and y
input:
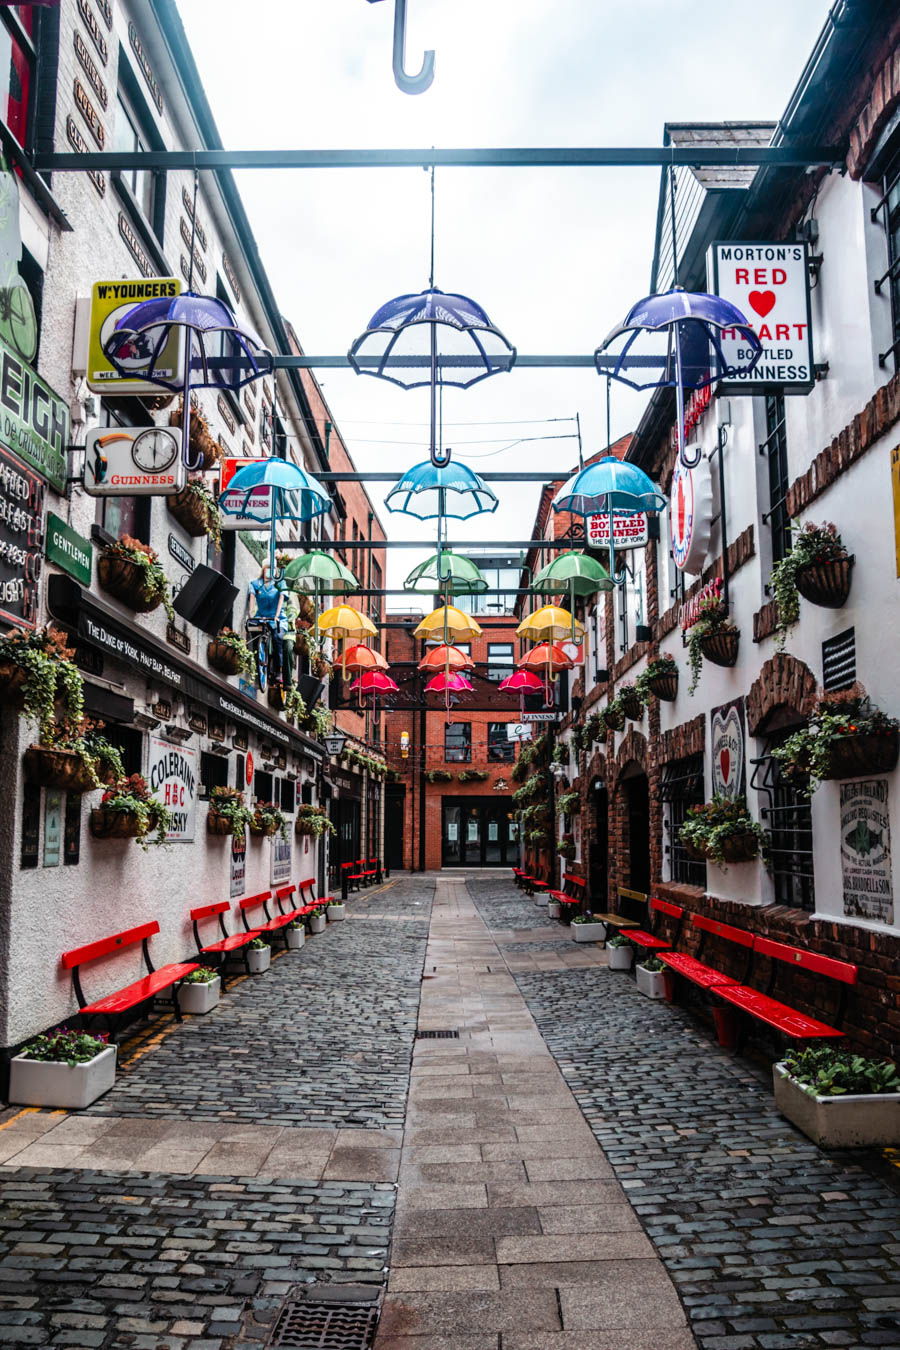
{"x": 740, "y": 848}
{"x": 202, "y": 443}
{"x": 114, "y": 824}
{"x": 826, "y": 583}
{"x": 223, "y": 657}
{"x": 868, "y": 753}
{"x": 695, "y": 854}
{"x": 614, "y": 717}
{"x": 276, "y": 697}
{"x": 62, "y": 769}
{"x": 125, "y": 580}
{"x": 632, "y": 707}
{"x": 12, "y": 682}
{"x": 721, "y": 648}
{"x": 264, "y": 831}
{"x": 190, "y": 511}
{"x": 216, "y": 824}
{"x": 664, "y": 687}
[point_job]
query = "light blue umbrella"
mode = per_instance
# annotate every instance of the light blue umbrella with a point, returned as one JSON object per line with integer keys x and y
{"x": 296, "y": 494}
{"x": 423, "y": 489}
{"x": 610, "y": 485}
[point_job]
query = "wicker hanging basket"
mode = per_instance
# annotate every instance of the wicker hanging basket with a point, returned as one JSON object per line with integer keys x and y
{"x": 633, "y": 708}
{"x": 721, "y": 648}
{"x": 216, "y": 824}
{"x": 125, "y": 580}
{"x": 665, "y": 687}
{"x": 63, "y": 769}
{"x": 223, "y": 657}
{"x": 695, "y": 854}
{"x": 869, "y": 752}
{"x": 826, "y": 583}
{"x": 740, "y": 848}
{"x": 114, "y": 824}
{"x": 263, "y": 831}
{"x": 190, "y": 512}
{"x": 614, "y": 718}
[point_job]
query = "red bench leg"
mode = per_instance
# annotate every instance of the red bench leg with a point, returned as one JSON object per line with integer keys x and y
{"x": 726, "y": 1026}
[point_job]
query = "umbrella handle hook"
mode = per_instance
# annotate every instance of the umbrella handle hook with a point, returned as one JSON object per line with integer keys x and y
{"x": 410, "y": 84}
{"x": 688, "y": 461}
{"x": 440, "y": 458}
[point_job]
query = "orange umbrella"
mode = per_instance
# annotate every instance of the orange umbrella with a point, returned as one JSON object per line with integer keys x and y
{"x": 545, "y": 656}
{"x": 360, "y": 657}
{"x": 446, "y": 658}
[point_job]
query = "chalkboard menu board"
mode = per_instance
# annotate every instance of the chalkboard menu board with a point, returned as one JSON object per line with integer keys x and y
{"x": 21, "y": 539}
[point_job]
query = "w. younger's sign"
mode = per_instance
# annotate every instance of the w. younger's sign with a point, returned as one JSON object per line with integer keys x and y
{"x": 769, "y": 283}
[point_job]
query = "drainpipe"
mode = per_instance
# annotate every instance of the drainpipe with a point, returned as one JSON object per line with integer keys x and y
{"x": 328, "y": 430}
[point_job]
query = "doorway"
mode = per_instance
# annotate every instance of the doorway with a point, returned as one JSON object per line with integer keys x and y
{"x": 599, "y": 860}
{"x": 394, "y": 813}
{"x": 637, "y": 806}
{"x": 478, "y": 832}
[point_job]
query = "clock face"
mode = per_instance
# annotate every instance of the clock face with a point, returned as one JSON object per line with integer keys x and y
{"x": 154, "y": 450}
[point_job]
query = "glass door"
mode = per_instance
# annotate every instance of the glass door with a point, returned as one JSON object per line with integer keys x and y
{"x": 494, "y": 835}
{"x": 451, "y": 836}
{"x": 474, "y": 835}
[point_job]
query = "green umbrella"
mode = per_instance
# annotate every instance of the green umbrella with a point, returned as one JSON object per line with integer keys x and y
{"x": 572, "y": 574}
{"x": 316, "y": 571}
{"x": 449, "y": 573}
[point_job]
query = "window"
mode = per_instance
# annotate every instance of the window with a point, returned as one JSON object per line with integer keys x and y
{"x": 682, "y": 787}
{"x": 458, "y": 742}
{"x": 500, "y": 660}
{"x": 600, "y": 639}
{"x": 775, "y": 450}
{"x": 500, "y": 749}
{"x": 891, "y": 208}
{"x": 213, "y": 772}
{"x": 142, "y": 190}
{"x": 503, "y": 575}
{"x": 263, "y": 786}
{"x": 287, "y": 795}
{"x": 222, "y": 560}
{"x": 788, "y": 817}
{"x": 130, "y": 743}
{"x": 17, "y": 63}
{"x": 376, "y": 601}
{"x": 128, "y": 136}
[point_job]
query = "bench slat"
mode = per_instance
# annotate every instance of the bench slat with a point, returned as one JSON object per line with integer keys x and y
{"x": 666, "y": 907}
{"x": 141, "y": 990}
{"x": 253, "y": 900}
{"x": 695, "y": 971}
{"x": 230, "y": 944}
{"x": 778, "y": 1015}
{"x": 722, "y": 930}
{"x": 648, "y": 940}
{"x": 104, "y": 946}
{"x": 796, "y": 956}
{"x": 210, "y": 911}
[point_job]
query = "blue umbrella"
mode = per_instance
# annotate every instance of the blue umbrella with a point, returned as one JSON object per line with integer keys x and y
{"x": 296, "y": 494}
{"x": 675, "y": 339}
{"x": 217, "y": 353}
{"x": 423, "y": 489}
{"x": 610, "y": 485}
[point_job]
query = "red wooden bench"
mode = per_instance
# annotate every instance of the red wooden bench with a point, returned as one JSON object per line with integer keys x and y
{"x": 370, "y": 872}
{"x": 648, "y": 939}
{"x": 217, "y": 953}
{"x": 114, "y": 1006}
{"x": 351, "y": 875}
{"x": 273, "y": 925}
{"x": 792, "y": 1024}
{"x": 699, "y": 972}
{"x": 518, "y": 876}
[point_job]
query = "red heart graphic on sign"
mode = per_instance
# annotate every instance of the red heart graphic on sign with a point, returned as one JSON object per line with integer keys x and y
{"x": 725, "y": 764}
{"x": 681, "y": 509}
{"x": 762, "y": 302}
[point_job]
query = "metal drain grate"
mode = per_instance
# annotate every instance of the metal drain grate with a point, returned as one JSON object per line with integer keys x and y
{"x": 326, "y": 1326}
{"x": 437, "y": 1035}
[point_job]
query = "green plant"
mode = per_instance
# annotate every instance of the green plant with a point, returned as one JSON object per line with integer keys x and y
{"x": 618, "y": 940}
{"x": 209, "y": 503}
{"x": 826, "y": 1072}
{"x": 521, "y": 770}
{"x": 538, "y": 838}
{"x": 587, "y": 917}
{"x": 314, "y": 821}
{"x": 439, "y": 776}
{"x": 267, "y": 818}
{"x": 63, "y": 1046}
{"x": 713, "y": 619}
{"x": 132, "y": 796}
{"x": 319, "y": 721}
{"x": 805, "y": 757}
{"x": 652, "y": 964}
{"x": 594, "y": 729}
{"x": 101, "y": 758}
{"x": 811, "y": 544}
{"x": 228, "y": 802}
{"x": 257, "y": 944}
{"x": 472, "y": 775}
{"x": 202, "y": 975}
{"x": 560, "y": 754}
{"x": 154, "y": 582}
{"x": 709, "y": 827}
{"x": 566, "y": 847}
{"x": 48, "y": 668}
{"x": 661, "y": 668}
{"x": 569, "y": 804}
{"x": 229, "y": 638}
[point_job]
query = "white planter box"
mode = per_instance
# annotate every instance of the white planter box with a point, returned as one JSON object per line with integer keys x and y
{"x": 295, "y": 938}
{"x": 259, "y": 959}
{"x": 335, "y": 913}
{"x": 317, "y": 923}
{"x": 651, "y": 982}
{"x": 199, "y": 998}
{"x": 588, "y": 932}
{"x": 553, "y": 909}
{"x": 542, "y": 899}
{"x": 868, "y": 1121}
{"x": 34, "y": 1082}
{"x": 620, "y": 958}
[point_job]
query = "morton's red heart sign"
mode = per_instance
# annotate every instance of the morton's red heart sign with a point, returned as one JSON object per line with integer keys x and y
{"x": 769, "y": 284}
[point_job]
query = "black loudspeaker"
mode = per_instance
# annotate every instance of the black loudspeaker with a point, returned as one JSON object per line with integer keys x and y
{"x": 205, "y": 599}
{"x": 311, "y": 689}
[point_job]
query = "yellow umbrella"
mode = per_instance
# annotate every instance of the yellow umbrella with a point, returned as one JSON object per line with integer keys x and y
{"x": 450, "y": 623}
{"x": 343, "y": 621}
{"x": 550, "y": 623}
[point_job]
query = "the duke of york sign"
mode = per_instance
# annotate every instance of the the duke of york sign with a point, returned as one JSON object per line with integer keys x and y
{"x": 727, "y": 739}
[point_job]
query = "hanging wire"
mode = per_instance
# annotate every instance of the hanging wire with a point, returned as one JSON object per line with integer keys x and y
{"x": 608, "y": 423}
{"x": 431, "y": 274}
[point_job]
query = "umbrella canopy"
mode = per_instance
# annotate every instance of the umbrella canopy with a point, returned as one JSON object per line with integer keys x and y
{"x": 298, "y": 495}
{"x": 315, "y": 569}
{"x": 414, "y": 340}
{"x": 448, "y": 621}
{"x": 220, "y": 354}
{"x": 550, "y": 623}
{"x": 454, "y": 683}
{"x": 573, "y": 572}
{"x": 522, "y": 682}
{"x": 374, "y": 682}
{"x": 609, "y": 485}
{"x": 446, "y": 658}
{"x": 361, "y": 658}
{"x": 430, "y": 490}
{"x": 449, "y": 572}
{"x": 546, "y": 656}
{"x": 641, "y": 350}
{"x": 343, "y": 621}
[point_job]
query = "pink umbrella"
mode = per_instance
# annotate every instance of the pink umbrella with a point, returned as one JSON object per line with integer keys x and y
{"x": 452, "y": 683}
{"x": 374, "y": 682}
{"x": 525, "y": 682}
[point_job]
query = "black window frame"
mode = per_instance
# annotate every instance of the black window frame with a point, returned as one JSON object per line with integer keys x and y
{"x": 461, "y": 754}
{"x": 152, "y": 227}
{"x": 214, "y": 771}
{"x": 788, "y": 817}
{"x": 774, "y": 450}
{"x": 681, "y": 787}
{"x": 497, "y": 739}
{"x": 31, "y": 45}
{"x": 500, "y": 670}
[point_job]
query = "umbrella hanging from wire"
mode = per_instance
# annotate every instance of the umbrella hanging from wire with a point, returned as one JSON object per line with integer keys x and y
{"x": 609, "y": 486}
{"x": 446, "y": 658}
{"x": 343, "y": 623}
{"x": 550, "y": 623}
{"x": 522, "y": 682}
{"x": 319, "y": 571}
{"x": 549, "y": 658}
{"x": 449, "y": 572}
{"x": 574, "y": 573}
{"x": 295, "y": 494}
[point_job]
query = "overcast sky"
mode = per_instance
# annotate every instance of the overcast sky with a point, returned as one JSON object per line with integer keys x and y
{"x": 556, "y": 257}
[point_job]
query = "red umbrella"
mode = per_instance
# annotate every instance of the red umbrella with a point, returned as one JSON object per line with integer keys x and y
{"x": 524, "y": 682}
{"x": 360, "y": 658}
{"x": 374, "y": 682}
{"x": 546, "y": 656}
{"x": 452, "y": 683}
{"x": 446, "y": 658}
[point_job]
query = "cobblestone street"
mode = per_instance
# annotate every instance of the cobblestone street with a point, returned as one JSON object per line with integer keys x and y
{"x": 576, "y": 1168}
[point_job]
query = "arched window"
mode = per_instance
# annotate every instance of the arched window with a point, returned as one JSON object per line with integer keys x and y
{"x": 785, "y": 812}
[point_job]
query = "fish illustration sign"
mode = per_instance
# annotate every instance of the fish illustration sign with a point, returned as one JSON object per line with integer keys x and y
{"x": 866, "y": 850}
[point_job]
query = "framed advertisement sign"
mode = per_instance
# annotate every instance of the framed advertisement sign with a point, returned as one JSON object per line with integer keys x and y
{"x": 866, "y": 850}
{"x": 630, "y": 530}
{"x": 172, "y": 777}
{"x": 110, "y": 301}
{"x": 727, "y": 749}
{"x": 133, "y": 462}
{"x": 251, "y": 511}
{"x": 769, "y": 283}
{"x": 690, "y": 516}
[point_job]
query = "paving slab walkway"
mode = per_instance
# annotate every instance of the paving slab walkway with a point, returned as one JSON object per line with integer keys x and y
{"x": 511, "y": 1228}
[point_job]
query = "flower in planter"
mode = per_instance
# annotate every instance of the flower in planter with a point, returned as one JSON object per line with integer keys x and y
{"x": 200, "y": 507}
{"x": 313, "y": 820}
{"x": 202, "y": 975}
{"x": 439, "y": 776}
{"x": 812, "y": 545}
{"x": 267, "y": 819}
{"x": 246, "y": 661}
{"x": 228, "y": 802}
{"x": 652, "y": 964}
{"x": 63, "y": 1046}
{"x": 40, "y": 664}
{"x": 101, "y": 761}
{"x": 257, "y": 944}
{"x": 617, "y": 940}
{"x": 569, "y": 804}
{"x": 823, "y": 1071}
{"x": 713, "y": 620}
{"x": 660, "y": 679}
{"x": 723, "y": 831}
{"x": 131, "y": 796}
{"x": 154, "y": 583}
{"x": 847, "y": 735}
{"x": 566, "y": 847}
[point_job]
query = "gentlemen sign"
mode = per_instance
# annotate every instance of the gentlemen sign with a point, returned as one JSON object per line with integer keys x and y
{"x": 769, "y": 283}
{"x": 172, "y": 777}
{"x": 69, "y": 549}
